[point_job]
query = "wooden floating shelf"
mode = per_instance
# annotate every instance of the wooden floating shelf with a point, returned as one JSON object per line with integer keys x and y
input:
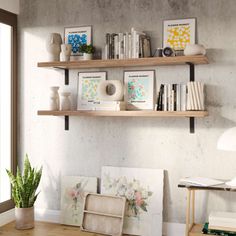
{"x": 151, "y": 61}
{"x": 125, "y": 113}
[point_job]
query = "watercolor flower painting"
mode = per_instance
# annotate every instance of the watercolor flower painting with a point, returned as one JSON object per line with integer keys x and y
{"x": 89, "y": 89}
{"x": 137, "y": 196}
{"x": 76, "y": 40}
{"x": 137, "y": 89}
{"x": 73, "y": 192}
{"x": 143, "y": 189}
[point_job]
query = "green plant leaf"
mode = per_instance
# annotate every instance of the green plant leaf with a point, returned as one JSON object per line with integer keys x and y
{"x": 24, "y": 185}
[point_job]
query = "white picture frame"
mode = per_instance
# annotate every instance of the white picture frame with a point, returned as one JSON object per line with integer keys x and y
{"x": 139, "y": 89}
{"x": 87, "y": 89}
{"x": 143, "y": 189}
{"x": 179, "y": 33}
{"x": 77, "y": 36}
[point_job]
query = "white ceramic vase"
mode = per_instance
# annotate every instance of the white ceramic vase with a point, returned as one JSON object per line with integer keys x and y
{"x": 87, "y": 56}
{"x": 54, "y": 102}
{"x": 24, "y": 218}
{"x": 194, "y": 49}
{"x": 65, "y": 52}
{"x": 53, "y": 45}
{"x": 65, "y": 101}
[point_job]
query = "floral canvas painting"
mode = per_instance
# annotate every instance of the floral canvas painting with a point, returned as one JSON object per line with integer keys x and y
{"x": 73, "y": 191}
{"x": 77, "y": 36}
{"x": 143, "y": 189}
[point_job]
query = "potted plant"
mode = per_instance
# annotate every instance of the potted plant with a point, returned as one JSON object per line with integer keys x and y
{"x": 87, "y": 51}
{"x": 24, "y": 186}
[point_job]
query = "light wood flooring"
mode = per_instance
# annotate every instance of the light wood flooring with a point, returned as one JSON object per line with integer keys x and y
{"x": 43, "y": 229}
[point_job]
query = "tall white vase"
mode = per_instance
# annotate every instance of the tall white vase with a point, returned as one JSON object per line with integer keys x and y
{"x": 53, "y": 45}
{"x": 65, "y": 101}
{"x": 54, "y": 102}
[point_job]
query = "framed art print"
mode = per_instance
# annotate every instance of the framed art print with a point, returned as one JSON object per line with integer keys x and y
{"x": 179, "y": 33}
{"x": 73, "y": 192}
{"x": 143, "y": 189}
{"x": 77, "y": 36}
{"x": 87, "y": 88}
{"x": 139, "y": 89}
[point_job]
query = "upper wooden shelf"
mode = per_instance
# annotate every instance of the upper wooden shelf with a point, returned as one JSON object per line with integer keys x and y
{"x": 126, "y": 113}
{"x": 151, "y": 61}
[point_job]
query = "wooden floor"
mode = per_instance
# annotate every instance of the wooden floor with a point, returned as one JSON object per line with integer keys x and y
{"x": 43, "y": 229}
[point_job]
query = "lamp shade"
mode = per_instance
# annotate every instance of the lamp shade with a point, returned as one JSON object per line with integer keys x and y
{"x": 227, "y": 140}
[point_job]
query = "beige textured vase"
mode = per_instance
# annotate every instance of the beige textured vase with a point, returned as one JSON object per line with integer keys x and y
{"x": 24, "y": 218}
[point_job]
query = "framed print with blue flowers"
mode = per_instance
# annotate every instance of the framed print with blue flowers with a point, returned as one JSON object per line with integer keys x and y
{"x": 77, "y": 36}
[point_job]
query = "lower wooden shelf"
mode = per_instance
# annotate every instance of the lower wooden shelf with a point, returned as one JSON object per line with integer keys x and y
{"x": 125, "y": 113}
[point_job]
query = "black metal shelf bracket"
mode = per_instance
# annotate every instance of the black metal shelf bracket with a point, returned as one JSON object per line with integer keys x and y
{"x": 66, "y": 122}
{"x": 66, "y": 71}
{"x": 66, "y": 77}
{"x": 191, "y": 79}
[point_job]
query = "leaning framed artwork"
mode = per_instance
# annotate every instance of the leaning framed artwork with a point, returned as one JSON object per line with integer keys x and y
{"x": 179, "y": 33}
{"x": 73, "y": 192}
{"x": 87, "y": 88}
{"x": 77, "y": 36}
{"x": 143, "y": 189}
{"x": 139, "y": 89}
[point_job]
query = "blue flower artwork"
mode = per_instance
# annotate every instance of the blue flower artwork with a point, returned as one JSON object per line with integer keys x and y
{"x": 76, "y": 40}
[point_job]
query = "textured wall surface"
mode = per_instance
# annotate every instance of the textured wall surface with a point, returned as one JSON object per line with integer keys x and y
{"x": 133, "y": 142}
{"x": 10, "y": 5}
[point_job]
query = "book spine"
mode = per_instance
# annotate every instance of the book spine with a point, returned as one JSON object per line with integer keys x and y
{"x": 130, "y": 47}
{"x": 165, "y": 101}
{"x": 122, "y": 46}
{"x": 190, "y": 97}
{"x": 113, "y": 46}
{"x": 197, "y": 93}
{"x": 160, "y": 97}
{"x": 119, "y": 44}
{"x": 116, "y": 41}
{"x": 133, "y": 36}
{"x": 127, "y": 45}
{"x": 169, "y": 96}
{"x": 175, "y": 92}
{"x": 178, "y": 102}
{"x": 106, "y": 56}
{"x": 110, "y": 47}
{"x": 195, "y": 107}
{"x": 183, "y": 95}
{"x": 137, "y": 45}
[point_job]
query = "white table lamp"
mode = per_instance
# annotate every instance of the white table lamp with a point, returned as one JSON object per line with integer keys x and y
{"x": 227, "y": 142}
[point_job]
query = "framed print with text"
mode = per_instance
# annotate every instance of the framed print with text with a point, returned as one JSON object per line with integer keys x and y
{"x": 179, "y": 33}
{"x": 87, "y": 88}
{"x": 77, "y": 36}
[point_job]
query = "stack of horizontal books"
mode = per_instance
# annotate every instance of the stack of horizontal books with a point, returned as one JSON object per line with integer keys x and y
{"x": 221, "y": 223}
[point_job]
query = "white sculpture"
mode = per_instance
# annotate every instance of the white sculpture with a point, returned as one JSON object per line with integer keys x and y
{"x": 194, "y": 49}
{"x": 65, "y": 52}
{"x": 53, "y": 45}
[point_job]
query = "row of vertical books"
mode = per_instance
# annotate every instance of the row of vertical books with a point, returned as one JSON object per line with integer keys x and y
{"x": 134, "y": 44}
{"x": 181, "y": 97}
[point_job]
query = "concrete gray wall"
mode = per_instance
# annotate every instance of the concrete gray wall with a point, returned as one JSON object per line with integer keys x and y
{"x": 10, "y": 5}
{"x": 132, "y": 142}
